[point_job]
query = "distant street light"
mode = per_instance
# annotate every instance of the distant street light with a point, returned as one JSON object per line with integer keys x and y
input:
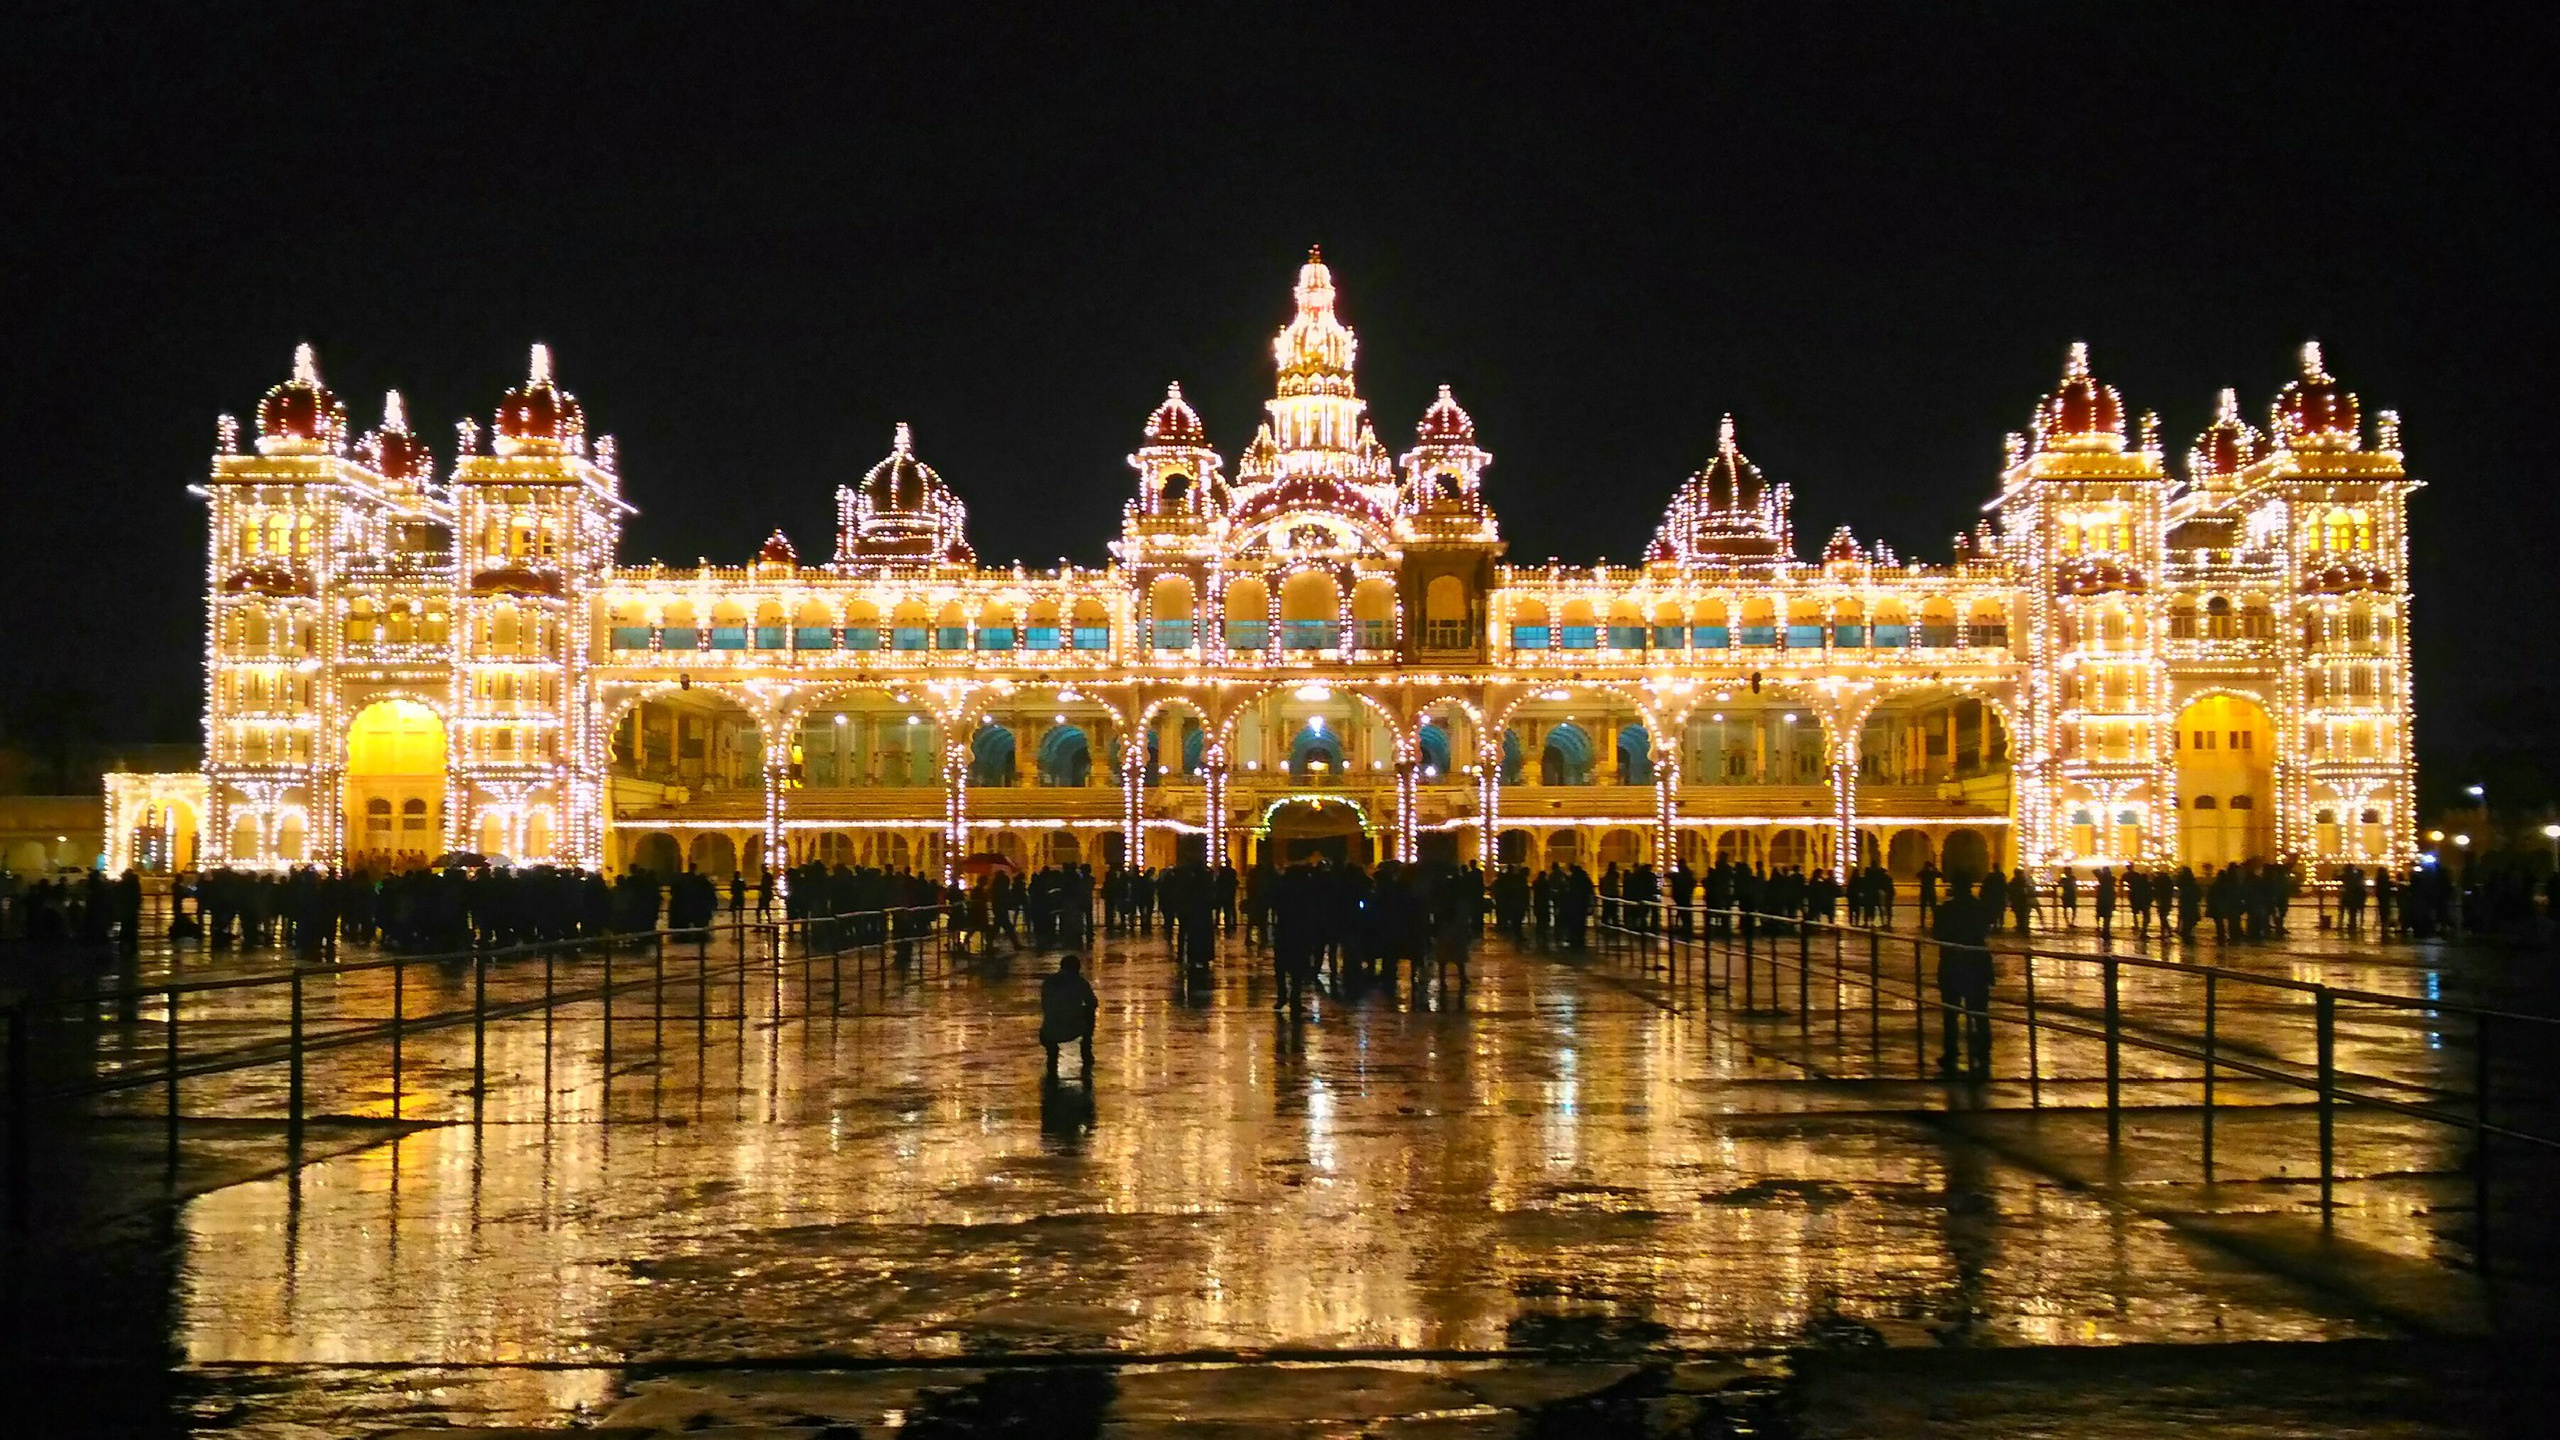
{"x": 2552, "y": 834}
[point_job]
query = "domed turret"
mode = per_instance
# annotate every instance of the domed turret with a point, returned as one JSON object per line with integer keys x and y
{"x": 1179, "y": 476}
{"x": 391, "y": 451}
{"x": 538, "y": 417}
{"x": 901, "y": 512}
{"x": 1446, "y": 422}
{"x": 2315, "y": 412}
{"x": 1731, "y": 482}
{"x": 1726, "y": 514}
{"x": 1444, "y": 471}
{"x": 2227, "y": 446}
{"x": 2082, "y": 413}
{"x": 1175, "y": 422}
{"x": 899, "y": 484}
{"x": 301, "y": 416}
{"x": 776, "y": 553}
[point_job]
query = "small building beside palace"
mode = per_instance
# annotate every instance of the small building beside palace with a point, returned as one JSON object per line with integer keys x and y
{"x": 1313, "y": 647}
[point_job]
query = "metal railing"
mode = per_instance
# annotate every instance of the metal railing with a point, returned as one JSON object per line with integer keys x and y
{"x": 1723, "y": 952}
{"x": 901, "y": 933}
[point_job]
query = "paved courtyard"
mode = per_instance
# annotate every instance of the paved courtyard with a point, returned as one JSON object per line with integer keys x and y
{"x": 1576, "y": 1192}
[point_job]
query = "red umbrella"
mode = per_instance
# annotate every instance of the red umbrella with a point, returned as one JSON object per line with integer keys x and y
{"x": 985, "y": 862}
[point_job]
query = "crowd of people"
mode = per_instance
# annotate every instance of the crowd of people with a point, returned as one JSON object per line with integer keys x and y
{"x": 455, "y": 906}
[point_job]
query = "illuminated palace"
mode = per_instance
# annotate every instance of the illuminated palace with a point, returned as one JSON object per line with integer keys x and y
{"x": 1323, "y": 651}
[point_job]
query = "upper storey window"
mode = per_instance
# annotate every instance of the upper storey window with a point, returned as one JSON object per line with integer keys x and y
{"x": 2096, "y": 532}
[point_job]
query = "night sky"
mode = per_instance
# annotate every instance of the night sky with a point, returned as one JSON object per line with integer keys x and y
{"x": 756, "y": 239}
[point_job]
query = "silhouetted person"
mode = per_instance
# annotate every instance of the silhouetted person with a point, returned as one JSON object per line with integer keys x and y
{"x": 1067, "y": 1007}
{"x": 1962, "y": 929}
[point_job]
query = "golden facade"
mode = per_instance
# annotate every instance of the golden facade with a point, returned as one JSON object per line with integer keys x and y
{"x": 1323, "y": 651}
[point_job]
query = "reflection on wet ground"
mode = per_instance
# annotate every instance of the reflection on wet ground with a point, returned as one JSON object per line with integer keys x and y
{"x": 809, "y": 1195}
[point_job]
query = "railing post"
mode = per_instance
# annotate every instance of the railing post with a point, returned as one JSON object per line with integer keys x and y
{"x": 608, "y": 1008}
{"x": 2115, "y": 1073}
{"x": 169, "y": 1081}
{"x": 2212, "y": 1041}
{"x": 293, "y": 1074}
{"x": 2035, "y": 1054}
{"x": 1804, "y": 972}
{"x": 399, "y": 1011}
{"x": 2480, "y": 1141}
{"x": 1750, "y": 967}
{"x": 2325, "y": 1007}
{"x": 1875, "y": 992}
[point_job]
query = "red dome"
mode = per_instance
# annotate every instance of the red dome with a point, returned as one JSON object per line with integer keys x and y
{"x": 2083, "y": 412}
{"x": 1731, "y": 481}
{"x": 2227, "y": 446}
{"x": 1446, "y": 423}
{"x": 1841, "y": 548}
{"x": 1175, "y": 422}
{"x": 2315, "y": 412}
{"x": 301, "y": 413}
{"x": 538, "y": 413}
{"x": 391, "y": 451}
{"x": 777, "y": 551}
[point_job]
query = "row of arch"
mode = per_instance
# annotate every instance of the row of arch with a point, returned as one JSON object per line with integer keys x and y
{"x": 1803, "y": 622}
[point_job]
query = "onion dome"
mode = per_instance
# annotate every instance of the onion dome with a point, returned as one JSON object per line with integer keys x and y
{"x": 2227, "y": 446}
{"x": 2315, "y": 412}
{"x": 1731, "y": 481}
{"x": 901, "y": 512}
{"x": 538, "y": 417}
{"x": 1446, "y": 422}
{"x": 391, "y": 451}
{"x": 1175, "y": 422}
{"x": 2082, "y": 413}
{"x": 777, "y": 550}
{"x": 1841, "y": 548}
{"x": 899, "y": 484}
{"x": 301, "y": 416}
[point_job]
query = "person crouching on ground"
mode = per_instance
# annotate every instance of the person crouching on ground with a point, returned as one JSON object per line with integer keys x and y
{"x": 1067, "y": 1007}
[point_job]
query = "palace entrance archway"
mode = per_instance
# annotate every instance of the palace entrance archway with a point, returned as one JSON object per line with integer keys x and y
{"x": 395, "y": 785}
{"x": 1316, "y": 827}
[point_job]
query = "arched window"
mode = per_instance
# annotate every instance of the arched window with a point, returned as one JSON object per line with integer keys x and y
{"x": 1310, "y": 612}
{"x": 1529, "y": 626}
{"x": 1373, "y": 611}
{"x": 861, "y": 625}
{"x": 2206, "y": 802}
{"x": 1091, "y": 625}
{"x": 1448, "y": 619}
{"x": 995, "y": 627}
{"x": 1248, "y": 614}
{"x": 1578, "y": 626}
{"x": 2219, "y": 622}
{"x": 1169, "y": 612}
{"x": 1040, "y": 629}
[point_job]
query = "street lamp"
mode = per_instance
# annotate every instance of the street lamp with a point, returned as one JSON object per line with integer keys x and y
{"x": 2552, "y": 834}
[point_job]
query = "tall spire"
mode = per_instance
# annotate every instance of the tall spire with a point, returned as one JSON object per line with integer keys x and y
{"x": 1317, "y": 416}
{"x": 539, "y": 371}
{"x": 306, "y": 365}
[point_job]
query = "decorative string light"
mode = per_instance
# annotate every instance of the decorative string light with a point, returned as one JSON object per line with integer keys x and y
{"x": 529, "y": 641}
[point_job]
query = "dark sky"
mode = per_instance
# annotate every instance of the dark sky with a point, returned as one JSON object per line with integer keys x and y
{"x": 756, "y": 238}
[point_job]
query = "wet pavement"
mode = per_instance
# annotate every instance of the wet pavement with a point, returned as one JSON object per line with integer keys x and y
{"x": 1576, "y": 1196}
